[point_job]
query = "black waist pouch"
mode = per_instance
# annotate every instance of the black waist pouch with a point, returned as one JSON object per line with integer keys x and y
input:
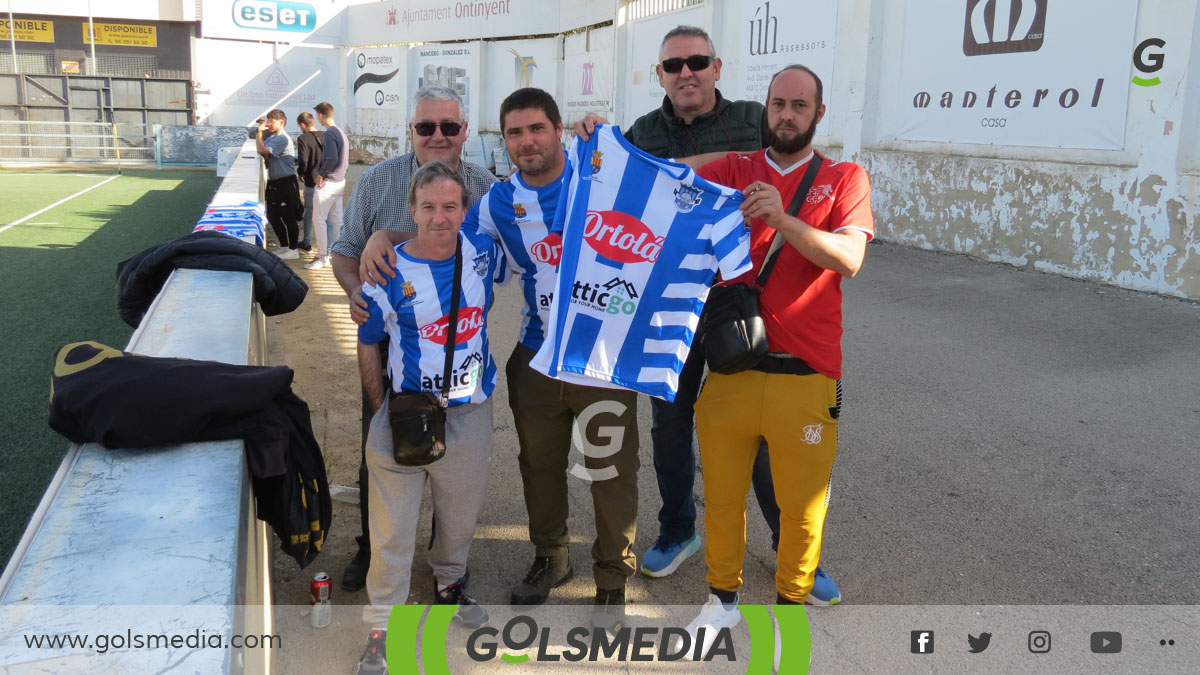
{"x": 418, "y": 428}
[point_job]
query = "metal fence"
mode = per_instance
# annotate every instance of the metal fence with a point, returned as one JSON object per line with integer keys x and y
{"x": 67, "y": 142}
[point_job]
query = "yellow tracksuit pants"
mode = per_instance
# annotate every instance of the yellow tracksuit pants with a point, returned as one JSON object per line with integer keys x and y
{"x": 793, "y": 413}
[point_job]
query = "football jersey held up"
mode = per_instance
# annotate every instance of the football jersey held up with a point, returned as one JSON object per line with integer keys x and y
{"x": 642, "y": 241}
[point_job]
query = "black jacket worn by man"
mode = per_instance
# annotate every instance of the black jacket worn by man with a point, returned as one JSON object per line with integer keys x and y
{"x": 309, "y": 147}
{"x": 120, "y": 400}
{"x": 277, "y": 288}
{"x": 731, "y": 126}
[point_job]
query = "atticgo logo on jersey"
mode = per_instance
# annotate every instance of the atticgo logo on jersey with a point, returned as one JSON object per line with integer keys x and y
{"x": 1004, "y": 26}
{"x": 620, "y": 237}
{"x": 616, "y": 296}
{"x": 819, "y": 193}
{"x": 686, "y": 198}
{"x": 519, "y": 210}
{"x": 548, "y": 250}
{"x": 470, "y": 321}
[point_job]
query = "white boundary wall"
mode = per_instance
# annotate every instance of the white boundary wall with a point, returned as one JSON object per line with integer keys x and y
{"x": 1117, "y": 203}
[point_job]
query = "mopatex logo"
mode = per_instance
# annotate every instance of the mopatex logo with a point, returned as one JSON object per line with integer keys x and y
{"x": 1004, "y": 26}
{"x": 524, "y": 641}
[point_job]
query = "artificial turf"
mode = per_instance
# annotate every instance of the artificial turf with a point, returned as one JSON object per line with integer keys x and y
{"x": 57, "y": 279}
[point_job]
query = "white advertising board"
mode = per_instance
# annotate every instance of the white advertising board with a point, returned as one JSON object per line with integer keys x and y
{"x": 588, "y": 83}
{"x": 378, "y": 78}
{"x": 778, "y": 33}
{"x": 455, "y": 66}
{"x": 1040, "y": 73}
{"x": 511, "y": 65}
{"x": 229, "y": 93}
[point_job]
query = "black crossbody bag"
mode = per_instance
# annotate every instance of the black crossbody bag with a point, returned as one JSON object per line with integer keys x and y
{"x": 419, "y": 420}
{"x": 735, "y": 338}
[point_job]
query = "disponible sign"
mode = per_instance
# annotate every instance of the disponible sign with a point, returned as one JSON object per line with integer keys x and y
{"x": 28, "y": 30}
{"x": 122, "y": 34}
{"x": 1041, "y": 73}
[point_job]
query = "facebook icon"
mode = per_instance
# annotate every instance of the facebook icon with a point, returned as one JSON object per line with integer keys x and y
{"x": 922, "y": 642}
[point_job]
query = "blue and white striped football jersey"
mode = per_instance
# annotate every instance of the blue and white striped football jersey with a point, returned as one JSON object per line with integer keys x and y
{"x": 413, "y": 310}
{"x": 642, "y": 240}
{"x": 520, "y": 218}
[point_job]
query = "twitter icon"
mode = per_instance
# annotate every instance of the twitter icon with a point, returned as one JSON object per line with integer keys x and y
{"x": 978, "y": 644}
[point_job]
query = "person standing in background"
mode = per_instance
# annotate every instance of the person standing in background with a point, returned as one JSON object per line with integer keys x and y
{"x": 309, "y": 145}
{"x": 282, "y": 193}
{"x": 331, "y": 183}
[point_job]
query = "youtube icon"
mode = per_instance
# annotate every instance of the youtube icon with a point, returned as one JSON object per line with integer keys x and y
{"x": 1106, "y": 642}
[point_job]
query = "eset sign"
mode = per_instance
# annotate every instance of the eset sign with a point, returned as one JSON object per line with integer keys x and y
{"x": 271, "y": 20}
{"x": 271, "y": 15}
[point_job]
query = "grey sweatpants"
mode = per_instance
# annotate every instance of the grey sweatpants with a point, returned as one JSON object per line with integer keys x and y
{"x": 458, "y": 483}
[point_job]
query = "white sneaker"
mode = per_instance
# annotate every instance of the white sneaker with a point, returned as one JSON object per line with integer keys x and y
{"x": 712, "y": 618}
{"x": 315, "y": 264}
{"x": 288, "y": 254}
{"x": 328, "y": 260}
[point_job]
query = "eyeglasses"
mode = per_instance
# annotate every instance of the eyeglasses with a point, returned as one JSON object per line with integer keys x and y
{"x": 695, "y": 63}
{"x": 427, "y": 128}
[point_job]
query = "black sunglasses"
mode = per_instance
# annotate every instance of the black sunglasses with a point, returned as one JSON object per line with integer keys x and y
{"x": 427, "y": 128}
{"x": 695, "y": 62}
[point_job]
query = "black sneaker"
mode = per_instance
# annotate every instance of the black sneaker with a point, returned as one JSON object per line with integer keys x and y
{"x": 469, "y": 614}
{"x": 609, "y": 612}
{"x": 374, "y": 658}
{"x": 355, "y": 576}
{"x": 546, "y": 572}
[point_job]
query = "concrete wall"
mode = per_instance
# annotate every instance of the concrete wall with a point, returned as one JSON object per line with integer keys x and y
{"x": 198, "y": 145}
{"x": 1126, "y": 217}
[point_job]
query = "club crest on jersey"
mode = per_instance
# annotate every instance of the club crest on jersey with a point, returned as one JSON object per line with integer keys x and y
{"x": 408, "y": 295}
{"x": 548, "y": 250}
{"x": 686, "y": 198}
{"x": 480, "y": 263}
{"x": 470, "y": 321}
{"x": 519, "y": 210}
{"x": 620, "y": 237}
{"x": 818, "y": 193}
{"x": 597, "y": 160}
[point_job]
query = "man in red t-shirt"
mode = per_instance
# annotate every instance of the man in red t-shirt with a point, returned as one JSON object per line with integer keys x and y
{"x": 791, "y": 398}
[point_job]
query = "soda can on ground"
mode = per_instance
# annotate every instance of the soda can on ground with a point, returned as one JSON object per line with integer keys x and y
{"x": 321, "y": 590}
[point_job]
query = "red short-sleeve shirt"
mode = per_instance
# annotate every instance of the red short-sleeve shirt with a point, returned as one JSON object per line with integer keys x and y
{"x": 802, "y": 303}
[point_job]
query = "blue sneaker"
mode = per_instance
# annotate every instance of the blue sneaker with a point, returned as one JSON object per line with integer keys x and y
{"x": 824, "y": 590}
{"x": 665, "y": 557}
